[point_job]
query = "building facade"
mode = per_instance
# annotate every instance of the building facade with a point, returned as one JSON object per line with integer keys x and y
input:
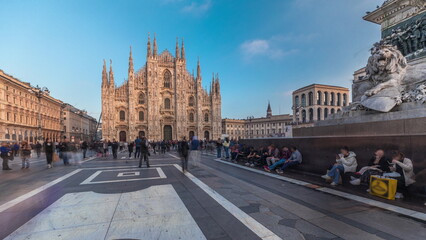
{"x": 315, "y": 102}
{"x": 234, "y": 128}
{"x": 264, "y": 127}
{"x": 20, "y": 106}
{"x": 78, "y": 126}
{"x": 161, "y": 100}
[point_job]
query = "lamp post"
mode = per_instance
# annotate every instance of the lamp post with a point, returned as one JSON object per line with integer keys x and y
{"x": 39, "y": 92}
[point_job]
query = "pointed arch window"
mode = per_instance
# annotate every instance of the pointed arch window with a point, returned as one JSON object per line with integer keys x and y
{"x": 191, "y": 117}
{"x": 141, "y": 99}
{"x": 122, "y": 115}
{"x": 206, "y": 117}
{"x": 191, "y": 101}
{"x": 141, "y": 116}
{"x": 167, "y": 103}
{"x": 167, "y": 79}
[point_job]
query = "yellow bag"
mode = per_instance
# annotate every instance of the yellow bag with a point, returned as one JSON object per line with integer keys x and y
{"x": 383, "y": 187}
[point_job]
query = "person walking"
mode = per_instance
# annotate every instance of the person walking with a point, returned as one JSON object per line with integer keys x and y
{"x": 25, "y": 154}
{"x": 38, "y": 149}
{"x": 138, "y": 142}
{"x": 5, "y": 151}
{"x": 84, "y": 147}
{"x": 183, "y": 149}
{"x": 64, "y": 148}
{"x": 105, "y": 148}
{"x": 195, "y": 153}
{"x": 130, "y": 149}
{"x": 144, "y": 152}
{"x": 114, "y": 148}
{"x": 15, "y": 149}
{"x": 226, "y": 144}
{"x": 49, "y": 148}
{"x": 219, "y": 148}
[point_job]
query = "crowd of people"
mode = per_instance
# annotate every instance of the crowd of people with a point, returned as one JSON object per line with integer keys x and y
{"x": 54, "y": 151}
{"x": 271, "y": 158}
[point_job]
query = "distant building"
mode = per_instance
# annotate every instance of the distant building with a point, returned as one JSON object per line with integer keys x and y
{"x": 315, "y": 102}
{"x": 264, "y": 127}
{"x": 78, "y": 125}
{"x": 234, "y": 128}
{"x": 20, "y": 106}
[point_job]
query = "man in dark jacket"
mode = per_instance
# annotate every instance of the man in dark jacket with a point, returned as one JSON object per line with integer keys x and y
{"x": 184, "y": 148}
{"x": 84, "y": 147}
{"x": 144, "y": 152}
{"x": 114, "y": 147}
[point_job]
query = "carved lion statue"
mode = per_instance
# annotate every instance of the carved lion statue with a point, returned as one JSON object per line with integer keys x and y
{"x": 385, "y": 68}
{"x": 387, "y": 76}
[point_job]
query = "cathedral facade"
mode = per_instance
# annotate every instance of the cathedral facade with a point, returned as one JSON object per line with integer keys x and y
{"x": 161, "y": 100}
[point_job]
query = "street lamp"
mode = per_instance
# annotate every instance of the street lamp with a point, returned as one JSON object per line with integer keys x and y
{"x": 39, "y": 92}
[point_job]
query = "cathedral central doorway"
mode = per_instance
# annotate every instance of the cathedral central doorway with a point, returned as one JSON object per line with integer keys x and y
{"x": 167, "y": 132}
{"x": 123, "y": 136}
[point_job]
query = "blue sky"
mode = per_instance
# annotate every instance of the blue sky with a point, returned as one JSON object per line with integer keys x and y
{"x": 262, "y": 49}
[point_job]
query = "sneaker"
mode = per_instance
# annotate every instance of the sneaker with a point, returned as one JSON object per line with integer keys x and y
{"x": 267, "y": 169}
{"x": 49, "y": 166}
{"x": 252, "y": 165}
{"x": 279, "y": 171}
{"x": 356, "y": 182}
{"x": 247, "y": 164}
{"x": 353, "y": 178}
{"x": 326, "y": 177}
{"x": 399, "y": 195}
{"x": 333, "y": 184}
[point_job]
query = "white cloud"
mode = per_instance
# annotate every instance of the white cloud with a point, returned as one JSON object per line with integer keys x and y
{"x": 263, "y": 47}
{"x": 197, "y": 7}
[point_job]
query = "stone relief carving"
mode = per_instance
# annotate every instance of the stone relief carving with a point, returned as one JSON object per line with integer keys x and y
{"x": 390, "y": 81}
{"x": 410, "y": 39}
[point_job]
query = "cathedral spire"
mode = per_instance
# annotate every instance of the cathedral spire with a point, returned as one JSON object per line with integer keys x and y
{"x": 104, "y": 76}
{"x": 111, "y": 75}
{"x": 177, "y": 48}
{"x": 131, "y": 69}
{"x": 148, "y": 47}
{"x": 155, "y": 46}
{"x": 198, "y": 69}
{"x": 182, "y": 52}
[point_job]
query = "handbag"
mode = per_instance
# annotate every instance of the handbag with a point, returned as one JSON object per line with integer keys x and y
{"x": 55, "y": 157}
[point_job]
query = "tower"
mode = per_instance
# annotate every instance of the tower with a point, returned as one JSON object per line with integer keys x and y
{"x": 269, "y": 111}
{"x": 131, "y": 98}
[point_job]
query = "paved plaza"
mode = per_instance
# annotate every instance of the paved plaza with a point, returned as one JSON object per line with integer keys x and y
{"x": 113, "y": 199}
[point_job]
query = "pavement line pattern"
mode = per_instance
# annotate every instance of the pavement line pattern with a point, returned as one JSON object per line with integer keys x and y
{"x": 389, "y": 207}
{"x": 247, "y": 220}
{"x": 36, "y": 191}
{"x": 89, "y": 180}
{"x": 156, "y": 212}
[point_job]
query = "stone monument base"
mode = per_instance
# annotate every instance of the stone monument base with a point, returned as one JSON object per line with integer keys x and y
{"x": 406, "y": 119}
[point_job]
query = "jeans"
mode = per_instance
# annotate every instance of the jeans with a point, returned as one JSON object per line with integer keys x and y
{"x": 145, "y": 158}
{"x": 5, "y": 162}
{"x": 335, "y": 172}
{"x": 289, "y": 164}
{"x": 84, "y": 152}
{"x": 65, "y": 158}
{"x": 226, "y": 149}
{"x": 185, "y": 162}
{"x": 49, "y": 157}
{"x": 25, "y": 161}
{"x": 137, "y": 152}
{"x": 276, "y": 164}
{"x": 219, "y": 152}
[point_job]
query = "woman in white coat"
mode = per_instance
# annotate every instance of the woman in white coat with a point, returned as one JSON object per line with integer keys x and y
{"x": 404, "y": 167}
{"x": 345, "y": 162}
